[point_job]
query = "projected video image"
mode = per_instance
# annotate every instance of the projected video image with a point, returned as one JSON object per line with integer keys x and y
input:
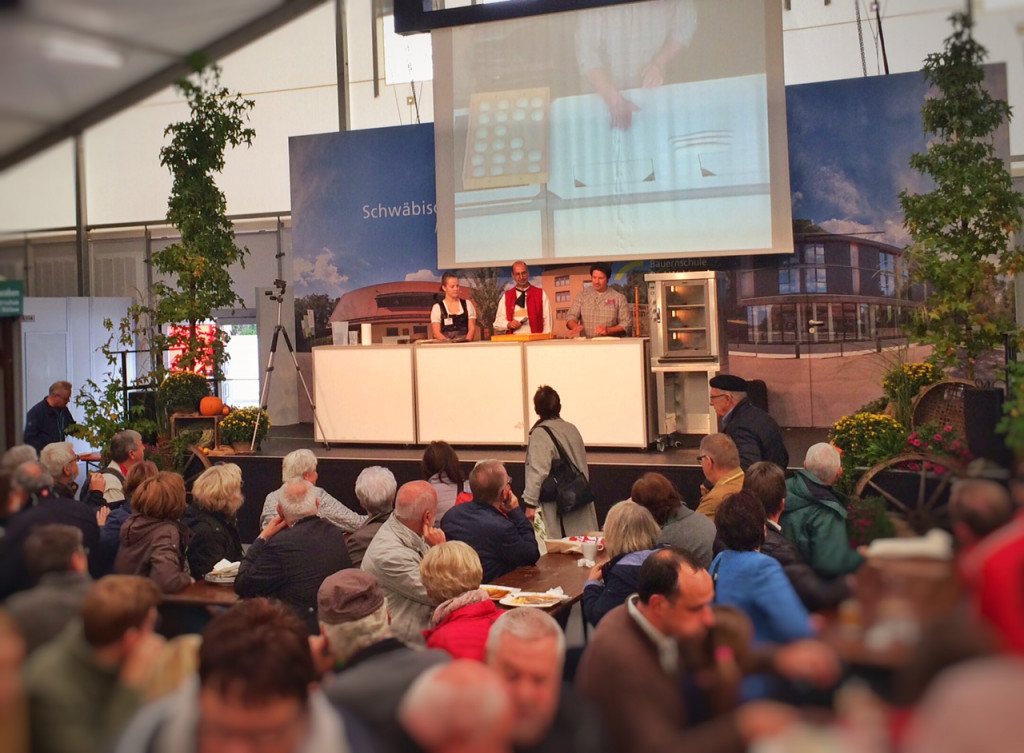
{"x": 628, "y": 130}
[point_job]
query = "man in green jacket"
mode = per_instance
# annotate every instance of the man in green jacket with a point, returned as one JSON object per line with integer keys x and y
{"x": 84, "y": 687}
{"x": 815, "y": 515}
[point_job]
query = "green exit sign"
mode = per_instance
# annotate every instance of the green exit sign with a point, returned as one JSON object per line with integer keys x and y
{"x": 12, "y": 295}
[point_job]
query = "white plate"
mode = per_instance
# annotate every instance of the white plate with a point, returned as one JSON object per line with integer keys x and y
{"x": 221, "y": 580}
{"x": 543, "y": 600}
{"x": 509, "y": 591}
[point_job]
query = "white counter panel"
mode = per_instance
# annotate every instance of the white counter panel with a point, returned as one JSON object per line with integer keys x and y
{"x": 602, "y": 385}
{"x": 470, "y": 393}
{"x": 364, "y": 394}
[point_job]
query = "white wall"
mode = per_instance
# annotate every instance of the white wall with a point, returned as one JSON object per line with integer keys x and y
{"x": 291, "y": 74}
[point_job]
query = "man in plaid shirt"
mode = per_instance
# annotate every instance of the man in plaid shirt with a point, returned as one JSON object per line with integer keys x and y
{"x": 598, "y": 311}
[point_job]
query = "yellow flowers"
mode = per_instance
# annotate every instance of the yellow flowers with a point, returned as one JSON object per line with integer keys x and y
{"x": 910, "y": 377}
{"x": 855, "y": 434}
{"x": 237, "y": 426}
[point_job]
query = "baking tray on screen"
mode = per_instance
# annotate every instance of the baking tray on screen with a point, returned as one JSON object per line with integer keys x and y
{"x": 507, "y": 139}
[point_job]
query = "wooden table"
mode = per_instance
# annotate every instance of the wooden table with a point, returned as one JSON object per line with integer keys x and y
{"x": 922, "y": 590}
{"x": 552, "y": 570}
{"x": 203, "y": 594}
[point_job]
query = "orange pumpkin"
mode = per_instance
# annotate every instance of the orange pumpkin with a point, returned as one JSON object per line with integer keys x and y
{"x": 210, "y": 406}
{"x": 226, "y": 410}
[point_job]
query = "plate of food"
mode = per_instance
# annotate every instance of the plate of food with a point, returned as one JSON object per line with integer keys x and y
{"x": 497, "y": 593}
{"x": 531, "y": 599}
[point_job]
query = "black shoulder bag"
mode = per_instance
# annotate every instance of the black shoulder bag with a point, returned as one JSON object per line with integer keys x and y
{"x": 565, "y": 483}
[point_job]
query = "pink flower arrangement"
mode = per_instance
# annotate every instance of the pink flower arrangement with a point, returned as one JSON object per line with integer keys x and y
{"x": 937, "y": 440}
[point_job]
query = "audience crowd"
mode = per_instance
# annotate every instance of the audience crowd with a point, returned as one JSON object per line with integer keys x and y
{"x": 362, "y": 623}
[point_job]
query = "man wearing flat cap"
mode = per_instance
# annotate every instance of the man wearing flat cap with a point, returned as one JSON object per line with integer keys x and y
{"x": 755, "y": 433}
{"x": 373, "y": 669}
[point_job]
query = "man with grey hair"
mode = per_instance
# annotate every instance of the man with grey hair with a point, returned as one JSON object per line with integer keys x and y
{"x": 293, "y": 554}
{"x": 15, "y": 456}
{"x": 49, "y": 420}
{"x": 394, "y": 557}
{"x": 375, "y": 490}
{"x": 40, "y": 506}
{"x": 373, "y": 668}
{"x": 990, "y": 530}
{"x": 61, "y": 461}
{"x": 755, "y": 433}
{"x": 126, "y": 450}
{"x": 526, "y": 647}
{"x": 459, "y": 707}
{"x": 301, "y": 464}
{"x": 815, "y": 515}
{"x": 493, "y": 523}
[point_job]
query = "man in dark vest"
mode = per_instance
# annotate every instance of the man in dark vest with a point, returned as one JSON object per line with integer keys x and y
{"x": 755, "y": 433}
{"x": 524, "y": 309}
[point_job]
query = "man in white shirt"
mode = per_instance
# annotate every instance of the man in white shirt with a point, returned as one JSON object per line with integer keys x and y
{"x": 524, "y": 309}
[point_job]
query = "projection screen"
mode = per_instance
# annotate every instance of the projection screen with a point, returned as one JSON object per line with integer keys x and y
{"x": 639, "y": 131}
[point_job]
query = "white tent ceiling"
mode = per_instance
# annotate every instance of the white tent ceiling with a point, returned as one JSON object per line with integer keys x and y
{"x": 67, "y": 64}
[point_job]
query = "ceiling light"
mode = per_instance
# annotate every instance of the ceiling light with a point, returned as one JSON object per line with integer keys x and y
{"x": 82, "y": 52}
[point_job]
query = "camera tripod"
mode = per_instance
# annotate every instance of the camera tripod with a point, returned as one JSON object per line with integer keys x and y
{"x": 278, "y": 331}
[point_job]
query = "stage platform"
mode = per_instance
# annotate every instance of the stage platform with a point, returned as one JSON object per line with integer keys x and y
{"x": 612, "y": 472}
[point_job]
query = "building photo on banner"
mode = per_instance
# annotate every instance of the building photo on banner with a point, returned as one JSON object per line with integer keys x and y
{"x": 365, "y": 248}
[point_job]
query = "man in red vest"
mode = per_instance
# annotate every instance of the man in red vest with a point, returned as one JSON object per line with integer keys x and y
{"x": 524, "y": 309}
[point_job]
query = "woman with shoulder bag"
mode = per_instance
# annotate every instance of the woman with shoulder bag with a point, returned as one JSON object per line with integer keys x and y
{"x": 557, "y": 444}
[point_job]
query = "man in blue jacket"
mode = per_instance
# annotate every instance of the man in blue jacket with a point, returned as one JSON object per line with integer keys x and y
{"x": 493, "y": 523}
{"x": 48, "y": 420}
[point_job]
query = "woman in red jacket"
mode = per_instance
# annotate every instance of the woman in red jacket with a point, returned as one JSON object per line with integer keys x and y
{"x": 451, "y": 574}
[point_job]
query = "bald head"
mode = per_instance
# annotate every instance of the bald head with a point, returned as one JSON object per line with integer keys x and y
{"x": 521, "y": 275}
{"x": 415, "y": 505}
{"x": 459, "y": 706}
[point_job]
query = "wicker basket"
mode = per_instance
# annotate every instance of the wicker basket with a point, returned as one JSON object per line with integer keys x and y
{"x": 942, "y": 403}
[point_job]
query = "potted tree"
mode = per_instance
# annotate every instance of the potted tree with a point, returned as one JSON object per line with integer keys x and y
{"x": 198, "y": 264}
{"x": 963, "y": 229}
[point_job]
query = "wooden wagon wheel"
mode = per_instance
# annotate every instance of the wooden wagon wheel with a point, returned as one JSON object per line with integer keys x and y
{"x": 195, "y": 463}
{"x": 918, "y": 496}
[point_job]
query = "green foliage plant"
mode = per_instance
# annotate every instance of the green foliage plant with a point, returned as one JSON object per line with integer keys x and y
{"x": 173, "y": 454}
{"x": 868, "y": 519}
{"x": 182, "y": 390}
{"x": 1011, "y": 425}
{"x": 198, "y": 264}
{"x": 103, "y": 406}
{"x": 962, "y": 230}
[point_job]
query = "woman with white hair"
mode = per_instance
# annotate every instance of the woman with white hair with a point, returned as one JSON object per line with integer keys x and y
{"x": 375, "y": 490}
{"x": 216, "y": 498}
{"x": 301, "y": 464}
